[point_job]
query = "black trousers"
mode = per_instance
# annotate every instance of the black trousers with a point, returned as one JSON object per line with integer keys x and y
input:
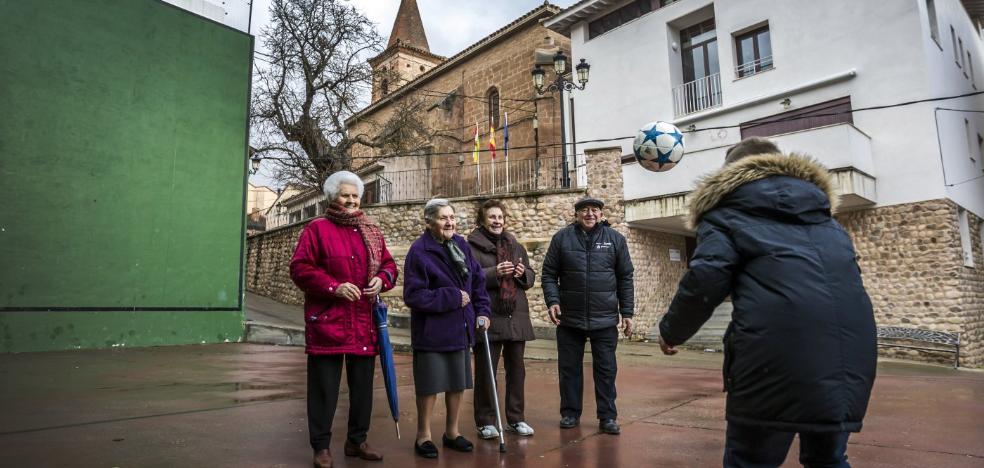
{"x": 324, "y": 374}
{"x": 570, "y": 363}
{"x": 515, "y": 367}
{"x": 757, "y": 447}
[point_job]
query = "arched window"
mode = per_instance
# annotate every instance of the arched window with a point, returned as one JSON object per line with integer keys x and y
{"x": 384, "y": 86}
{"x": 492, "y": 97}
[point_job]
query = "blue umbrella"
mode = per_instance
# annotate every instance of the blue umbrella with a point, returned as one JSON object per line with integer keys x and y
{"x": 379, "y": 312}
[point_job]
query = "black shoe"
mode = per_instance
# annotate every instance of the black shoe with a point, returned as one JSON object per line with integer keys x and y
{"x": 426, "y": 449}
{"x": 460, "y": 443}
{"x": 567, "y": 422}
{"x": 609, "y": 426}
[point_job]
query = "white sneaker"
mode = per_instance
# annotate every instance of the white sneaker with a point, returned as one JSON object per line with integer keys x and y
{"x": 488, "y": 432}
{"x": 520, "y": 428}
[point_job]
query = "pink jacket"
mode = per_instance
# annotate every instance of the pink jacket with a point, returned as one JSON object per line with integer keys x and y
{"x": 326, "y": 256}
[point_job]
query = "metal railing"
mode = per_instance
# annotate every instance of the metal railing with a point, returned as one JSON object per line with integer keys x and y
{"x": 463, "y": 180}
{"x": 753, "y": 67}
{"x": 697, "y": 95}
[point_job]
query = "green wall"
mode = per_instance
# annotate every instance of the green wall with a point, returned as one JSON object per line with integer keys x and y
{"x": 123, "y": 130}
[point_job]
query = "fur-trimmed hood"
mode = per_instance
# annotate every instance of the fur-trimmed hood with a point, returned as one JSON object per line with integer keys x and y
{"x": 714, "y": 187}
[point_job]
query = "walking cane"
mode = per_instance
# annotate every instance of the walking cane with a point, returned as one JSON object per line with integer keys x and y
{"x": 495, "y": 391}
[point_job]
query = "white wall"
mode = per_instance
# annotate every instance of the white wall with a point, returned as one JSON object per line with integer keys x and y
{"x": 233, "y": 13}
{"x": 886, "y": 44}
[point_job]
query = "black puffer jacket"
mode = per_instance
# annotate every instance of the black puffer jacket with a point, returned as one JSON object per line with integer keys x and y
{"x": 800, "y": 351}
{"x": 590, "y": 276}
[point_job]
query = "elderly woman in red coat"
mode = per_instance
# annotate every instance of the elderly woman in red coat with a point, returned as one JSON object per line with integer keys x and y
{"x": 342, "y": 264}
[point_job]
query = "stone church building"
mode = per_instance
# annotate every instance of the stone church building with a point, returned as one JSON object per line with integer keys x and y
{"x": 421, "y": 124}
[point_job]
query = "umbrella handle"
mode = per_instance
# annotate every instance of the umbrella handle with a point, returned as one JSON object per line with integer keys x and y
{"x": 495, "y": 391}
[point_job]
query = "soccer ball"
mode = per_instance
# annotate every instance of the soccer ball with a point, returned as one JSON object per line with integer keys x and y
{"x": 658, "y": 146}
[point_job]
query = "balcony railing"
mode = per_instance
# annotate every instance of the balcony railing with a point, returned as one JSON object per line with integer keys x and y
{"x": 753, "y": 67}
{"x": 697, "y": 95}
{"x": 462, "y": 180}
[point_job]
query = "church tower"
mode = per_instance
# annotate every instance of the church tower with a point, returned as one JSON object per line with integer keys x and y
{"x": 407, "y": 53}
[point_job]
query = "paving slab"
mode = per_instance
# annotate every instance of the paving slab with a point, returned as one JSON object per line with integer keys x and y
{"x": 243, "y": 405}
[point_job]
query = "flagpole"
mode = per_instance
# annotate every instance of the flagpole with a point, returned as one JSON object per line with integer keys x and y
{"x": 477, "y": 159}
{"x": 492, "y": 148}
{"x": 505, "y": 141}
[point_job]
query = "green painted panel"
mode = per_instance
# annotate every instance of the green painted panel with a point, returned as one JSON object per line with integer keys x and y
{"x": 122, "y": 166}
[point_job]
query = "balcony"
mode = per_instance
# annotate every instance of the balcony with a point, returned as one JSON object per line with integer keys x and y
{"x": 659, "y": 200}
{"x": 754, "y": 67}
{"x": 697, "y": 95}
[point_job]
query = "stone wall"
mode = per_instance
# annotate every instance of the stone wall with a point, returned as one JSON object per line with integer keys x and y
{"x": 911, "y": 260}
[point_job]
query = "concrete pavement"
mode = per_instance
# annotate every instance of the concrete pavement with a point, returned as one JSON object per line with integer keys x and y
{"x": 243, "y": 405}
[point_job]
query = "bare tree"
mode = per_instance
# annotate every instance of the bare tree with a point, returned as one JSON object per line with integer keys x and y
{"x": 316, "y": 75}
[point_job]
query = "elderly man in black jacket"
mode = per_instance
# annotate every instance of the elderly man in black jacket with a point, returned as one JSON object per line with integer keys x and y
{"x": 801, "y": 349}
{"x": 587, "y": 285}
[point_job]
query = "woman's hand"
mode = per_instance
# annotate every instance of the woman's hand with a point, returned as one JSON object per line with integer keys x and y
{"x": 505, "y": 269}
{"x": 348, "y": 291}
{"x": 465, "y": 298}
{"x": 483, "y": 322}
{"x": 520, "y": 269}
{"x": 375, "y": 285}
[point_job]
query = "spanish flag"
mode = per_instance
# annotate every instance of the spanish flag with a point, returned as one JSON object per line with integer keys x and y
{"x": 492, "y": 141}
{"x": 477, "y": 145}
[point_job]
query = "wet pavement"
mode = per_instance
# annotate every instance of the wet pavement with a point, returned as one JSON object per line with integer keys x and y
{"x": 243, "y": 405}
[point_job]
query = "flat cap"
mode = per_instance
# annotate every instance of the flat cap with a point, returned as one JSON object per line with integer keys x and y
{"x": 588, "y": 201}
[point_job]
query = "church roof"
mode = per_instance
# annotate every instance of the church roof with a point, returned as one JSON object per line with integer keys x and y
{"x": 408, "y": 29}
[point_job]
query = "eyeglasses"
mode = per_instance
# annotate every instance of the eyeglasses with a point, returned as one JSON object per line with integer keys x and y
{"x": 587, "y": 209}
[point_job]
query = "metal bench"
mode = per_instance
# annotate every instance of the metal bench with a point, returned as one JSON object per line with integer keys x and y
{"x": 947, "y": 342}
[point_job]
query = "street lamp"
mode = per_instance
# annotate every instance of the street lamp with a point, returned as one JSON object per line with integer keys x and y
{"x": 561, "y": 83}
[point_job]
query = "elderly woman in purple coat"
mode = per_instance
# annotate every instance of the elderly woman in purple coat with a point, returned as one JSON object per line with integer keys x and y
{"x": 444, "y": 286}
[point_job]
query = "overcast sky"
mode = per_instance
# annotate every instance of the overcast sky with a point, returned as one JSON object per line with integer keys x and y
{"x": 451, "y": 25}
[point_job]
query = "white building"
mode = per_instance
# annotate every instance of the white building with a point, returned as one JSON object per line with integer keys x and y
{"x": 723, "y": 67}
{"x": 238, "y": 14}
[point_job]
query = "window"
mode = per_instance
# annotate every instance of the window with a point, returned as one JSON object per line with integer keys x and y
{"x": 980, "y": 150}
{"x": 817, "y": 115}
{"x": 970, "y": 142}
{"x": 965, "y": 243}
{"x": 754, "y": 52}
{"x": 623, "y": 15}
{"x": 970, "y": 68}
{"x": 371, "y": 193}
{"x": 964, "y": 65}
{"x": 310, "y": 211}
{"x": 934, "y": 30}
{"x": 492, "y": 98}
{"x": 700, "y": 57}
{"x": 701, "y": 88}
{"x": 384, "y": 87}
{"x": 953, "y": 39}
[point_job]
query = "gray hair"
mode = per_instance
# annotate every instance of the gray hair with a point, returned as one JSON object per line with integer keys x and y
{"x": 333, "y": 183}
{"x": 433, "y": 207}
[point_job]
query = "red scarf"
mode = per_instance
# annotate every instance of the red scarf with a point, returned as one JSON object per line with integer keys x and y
{"x": 372, "y": 236}
{"x": 504, "y": 248}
